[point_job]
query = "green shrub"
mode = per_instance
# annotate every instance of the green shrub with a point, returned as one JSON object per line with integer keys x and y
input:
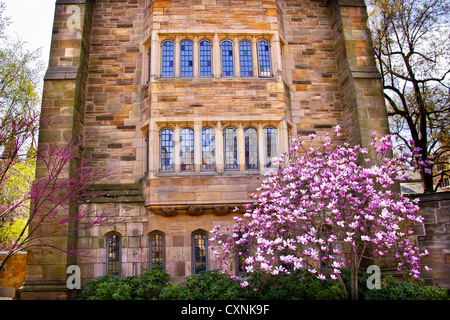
{"x": 213, "y": 285}
{"x": 393, "y": 289}
{"x": 146, "y": 286}
{"x": 208, "y": 285}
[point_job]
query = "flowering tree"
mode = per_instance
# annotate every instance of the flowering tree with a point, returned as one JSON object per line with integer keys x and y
{"x": 323, "y": 210}
{"x": 50, "y": 206}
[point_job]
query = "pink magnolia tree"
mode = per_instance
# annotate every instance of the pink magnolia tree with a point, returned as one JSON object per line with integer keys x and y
{"x": 324, "y": 209}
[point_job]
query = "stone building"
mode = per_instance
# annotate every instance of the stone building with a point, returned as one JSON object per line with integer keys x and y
{"x": 189, "y": 100}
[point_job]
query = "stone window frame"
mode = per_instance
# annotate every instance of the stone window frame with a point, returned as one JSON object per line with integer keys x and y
{"x": 154, "y": 43}
{"x": 219, "y": 146}
{"x": 172, "y": 158}
{"x": 115, "y": 269}
{"x": 247, "y": 165}
{"x": 163, "y": 249}
{"x": 204, "y": 235}
{"x": 246, "y": 66}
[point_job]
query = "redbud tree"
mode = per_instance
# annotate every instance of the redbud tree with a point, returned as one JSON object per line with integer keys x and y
{"x": 324, "y": 209}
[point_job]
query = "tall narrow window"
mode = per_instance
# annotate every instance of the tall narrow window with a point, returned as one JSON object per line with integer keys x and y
{"x": 113, "y": 255}
{"x": 231, "y": 148}
{"x": 251, "y": 148}
{"x": 186, "y": 59}
{"x": 246, "y": 61}
{"x": 157, "y": 250}
{"x": 166, "y": 143}
{"x": 149, "y": 69}
{"x": 208, "y": 149}
{"x": 205, "y": 59}
{"x": 167, "y": 59}
{"x": 147, "y": 150}
{"x": 270, "y": 145}
{"x": 200, "y": 253}
{"x": 227, "y": 59}
{"x": 187, "y": 149}
{"x": 264, "y": 68}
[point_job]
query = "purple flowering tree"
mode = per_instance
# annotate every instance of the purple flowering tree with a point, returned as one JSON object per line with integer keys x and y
{"x": 325, "y": 209}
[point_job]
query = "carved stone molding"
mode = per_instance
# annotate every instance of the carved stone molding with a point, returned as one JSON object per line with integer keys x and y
{"x": 221, "y": 210}
{"x": 195, "y": 211}
{"x": 168, "y": 211}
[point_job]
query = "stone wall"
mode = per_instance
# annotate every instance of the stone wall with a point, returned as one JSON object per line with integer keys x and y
{"x": 14, "y": 274}
{"x": 434, "y": 236}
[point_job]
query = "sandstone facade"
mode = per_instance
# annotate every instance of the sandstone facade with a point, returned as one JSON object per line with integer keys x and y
{"x": 111, "y": 73}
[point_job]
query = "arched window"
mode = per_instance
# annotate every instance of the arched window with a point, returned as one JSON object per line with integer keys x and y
{"x": 166, "y": 151}
{"x": 187, "y": 149}
{"x": 113, "y": 254}
{"x": 246, "y": 60}
{"x": 227, "y": 59}
{"x": 200, "y": 251}
{"x": 167, "y": 59}
{"x": 264, "y": 68}
{"x": 205, "y": 59}
{"x": 186, "y": 59}
{"x": 208, "y": 149}
{"x": 231, "y": 148}
{"x": 157, "y": 247}
{"x": 251, "y": 148}
{"x": 270, "y": 145}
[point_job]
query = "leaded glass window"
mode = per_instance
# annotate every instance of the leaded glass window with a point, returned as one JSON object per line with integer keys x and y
{"x": 205, "y": 59}
{"x": 157, "y": 250}
{"x": 200, "y": 253}
{"x": 270, "y": 145}
{"x": 186, "y": 59}
{"x": 167, "y": 58}
{"x": 187, "y": 149}
{"x": 208, "y": 149}
{"x": 264, "y": 68}
{"x": 113, "y": 255}
{"x": 251, "y": 148}
{"x": 227, "y": 59}
{"x": 231, "y": 148}
{"x": 246, "y": 63}
{"x": 166, "y": 142}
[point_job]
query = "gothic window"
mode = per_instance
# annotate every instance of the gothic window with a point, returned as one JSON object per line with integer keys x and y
{"x": 166, "y": 143}
{"x": 113, "y": 255}
{"x": 270, "y": 145}
{"x": 205, "y": 59}
{"x": 264, "y": 68}
{"x": 200, "y": 253}
{"x": 186, "y": 59}
{"x": 208, "y": 149}
{"x": 227, "y": 59}
{"x": 246, "y": 61}
{"x": 157, "y": 247}
{"x": 231, "y": 148}
{"x": 167, "y": 58}
{"x": 187, "y": 149}
{"x": 251, "y": 148}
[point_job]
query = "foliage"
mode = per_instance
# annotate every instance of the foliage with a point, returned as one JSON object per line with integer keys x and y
{"x": 147, "y": 286}
{"x": 209, "y": 285}
{"x": 325, "y": 207}
{"x": 392, "y": 289}
{"x": 215, "y": 285}
{"x": 412, "y": 51}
